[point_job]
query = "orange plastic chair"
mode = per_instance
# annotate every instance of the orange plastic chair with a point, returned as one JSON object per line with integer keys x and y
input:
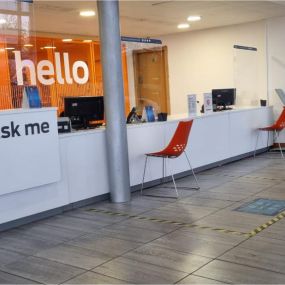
{"x": 276, "y": 128}
{"x": 175, "y": 148}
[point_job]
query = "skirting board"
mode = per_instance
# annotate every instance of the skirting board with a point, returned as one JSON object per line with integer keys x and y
{"x": 89, "y": 201}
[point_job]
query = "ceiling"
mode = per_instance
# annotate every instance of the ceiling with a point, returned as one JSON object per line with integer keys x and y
{"x": 150, "y": 18}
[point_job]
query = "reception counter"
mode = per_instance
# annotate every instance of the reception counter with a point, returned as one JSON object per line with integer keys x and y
{"x": 215, "y": 139}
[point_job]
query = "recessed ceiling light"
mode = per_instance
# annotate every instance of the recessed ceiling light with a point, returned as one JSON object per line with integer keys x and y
{"x": 49, "y": 47}
{"x": 194, "y": 18}
{"x": 2, "y": 21}
{"x": 28, "y": 45}
{"x": 87, "y": 41}
{"x": 87, "y": 13}
{"x": 67, "y": 40}
{"x": 9, "y": 48}
{"x": 183, "y": 26}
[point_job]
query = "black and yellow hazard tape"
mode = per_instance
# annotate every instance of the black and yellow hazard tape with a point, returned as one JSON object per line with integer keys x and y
{"x": 263, "y": 178}
{"x": 163, "y": 221}
{"x": 267, "y": 224}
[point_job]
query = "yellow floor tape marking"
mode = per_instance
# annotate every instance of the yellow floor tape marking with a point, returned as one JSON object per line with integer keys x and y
{"x": 267, "y": 224}
{"x": 163, "y": 221}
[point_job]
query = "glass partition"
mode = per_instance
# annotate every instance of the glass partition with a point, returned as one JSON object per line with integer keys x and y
{"x": 148, "y": 76}
{"x": 246, "y": 77}
{"x": 48, "y": 44}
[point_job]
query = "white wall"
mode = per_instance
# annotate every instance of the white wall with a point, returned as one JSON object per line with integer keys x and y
{"x": 276, "y": 58}
{"x": 202, "y": 60}
{"x": 276, "y": 63}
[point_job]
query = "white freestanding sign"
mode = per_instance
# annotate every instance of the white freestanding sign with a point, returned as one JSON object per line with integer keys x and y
{"x": 192, "y": 105}
{"x": 29, "y": 149}
{"x": 208, "y": 103}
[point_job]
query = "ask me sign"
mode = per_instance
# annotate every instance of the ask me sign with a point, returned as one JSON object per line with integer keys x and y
{"x": 29, "y": 149}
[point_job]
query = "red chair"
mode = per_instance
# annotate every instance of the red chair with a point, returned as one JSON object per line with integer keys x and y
{"x": 276, "y": 128}
{"x": 175, "y": 148}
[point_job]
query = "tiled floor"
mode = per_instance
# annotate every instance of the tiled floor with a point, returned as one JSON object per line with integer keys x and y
{"x": 85, "y": 247}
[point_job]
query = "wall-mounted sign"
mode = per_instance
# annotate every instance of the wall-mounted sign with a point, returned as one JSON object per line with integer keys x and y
{"x": 48, "y": 73}
{"x": 192, "y": 105}
{"x": 245, "y": 47}
{"x": 208, "y": 103}
{"x": 29, "y": 149}
{"x": 141, "y": 40}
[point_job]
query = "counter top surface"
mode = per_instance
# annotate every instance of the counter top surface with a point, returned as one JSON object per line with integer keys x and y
{"x": 22, "y": 110}
{"x": 171, "y": 119}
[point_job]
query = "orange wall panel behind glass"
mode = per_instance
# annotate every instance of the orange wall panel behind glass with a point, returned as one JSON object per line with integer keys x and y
{"x": 44, "y": 49}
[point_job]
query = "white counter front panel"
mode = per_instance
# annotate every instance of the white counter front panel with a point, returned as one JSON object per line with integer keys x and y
{"x": 29, "y": 149}
{"x": 83, "y": 157}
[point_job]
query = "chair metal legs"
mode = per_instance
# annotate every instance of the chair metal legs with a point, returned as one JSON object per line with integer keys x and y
{"x": 257, "y": 143}
{"x": 170, "y": 168}
{"x": 277, "y": 135}
{"x": 163, "y": 169}
{"x": 188, "y": 160}
{"x": 144, "y": 172}
{"x": 165, "y": 160}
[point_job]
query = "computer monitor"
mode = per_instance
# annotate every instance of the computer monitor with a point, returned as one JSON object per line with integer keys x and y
{"x": 82, "y": 110}
{"x": 224, "y": 97}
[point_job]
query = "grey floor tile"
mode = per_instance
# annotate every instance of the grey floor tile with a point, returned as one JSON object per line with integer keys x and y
{"x": 236, "y": 273}
{"x": 193, "y": 279}
{"x": 204, "y": 182}
{"x": 265, "y": 245}
{"x": 74, "y": 223}
{"x": 255, "y": 180}
{"x": 242, "y": 188}
{"x": 7, "y": 256}
{"x": 276, "y": 192}
{"x": 6, "y": 278}
{"x": 256, "y": 258}
{"x": 75, "y": 256}
{"x": 276, "y": 231}
{"x": 128, "y": 208}
{"x": 150, "y": 225}
{"x": 233, "y": 220}
{"x": 267, "y": 174}
{"x": 67, "y": 245}
{"x": 148, "y": 202}
{"x": 168, "y": 191}
{"x": 232, "y": 197}
{"x": 181, "y": 213}
{"x": 107, "y": 245}
{"x": 94, "y": 278}
{"x": 168, "y": 258}
{"x": 196, "y": 212}
{"x": 212, "y": 235}
{"x": 212, "y": 203}
{"x": 42, "y": 270}
{"x": 139, "y": 272}
{"x": 46, "y": 232}
{"x": 24, "y": 244}
{"x": 200, "y": 244}
{"x": 99, "y": 218}
{"x": 130, "y": 233}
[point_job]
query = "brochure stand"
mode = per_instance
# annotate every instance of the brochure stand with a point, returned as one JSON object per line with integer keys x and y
{"x": 208, "y": 103}
{"x": 192, "y": 105}
{"x": 31, "y": 97}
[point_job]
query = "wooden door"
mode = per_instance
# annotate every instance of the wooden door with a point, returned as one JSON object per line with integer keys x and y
{"x": 151, "y": 79}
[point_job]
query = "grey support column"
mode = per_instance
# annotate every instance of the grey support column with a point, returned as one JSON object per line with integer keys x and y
{"x": 116, "y": 132}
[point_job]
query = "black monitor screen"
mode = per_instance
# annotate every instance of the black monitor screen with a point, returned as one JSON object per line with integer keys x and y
{"x": 84, "y": 108}
{"x": 224, "y": 97}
